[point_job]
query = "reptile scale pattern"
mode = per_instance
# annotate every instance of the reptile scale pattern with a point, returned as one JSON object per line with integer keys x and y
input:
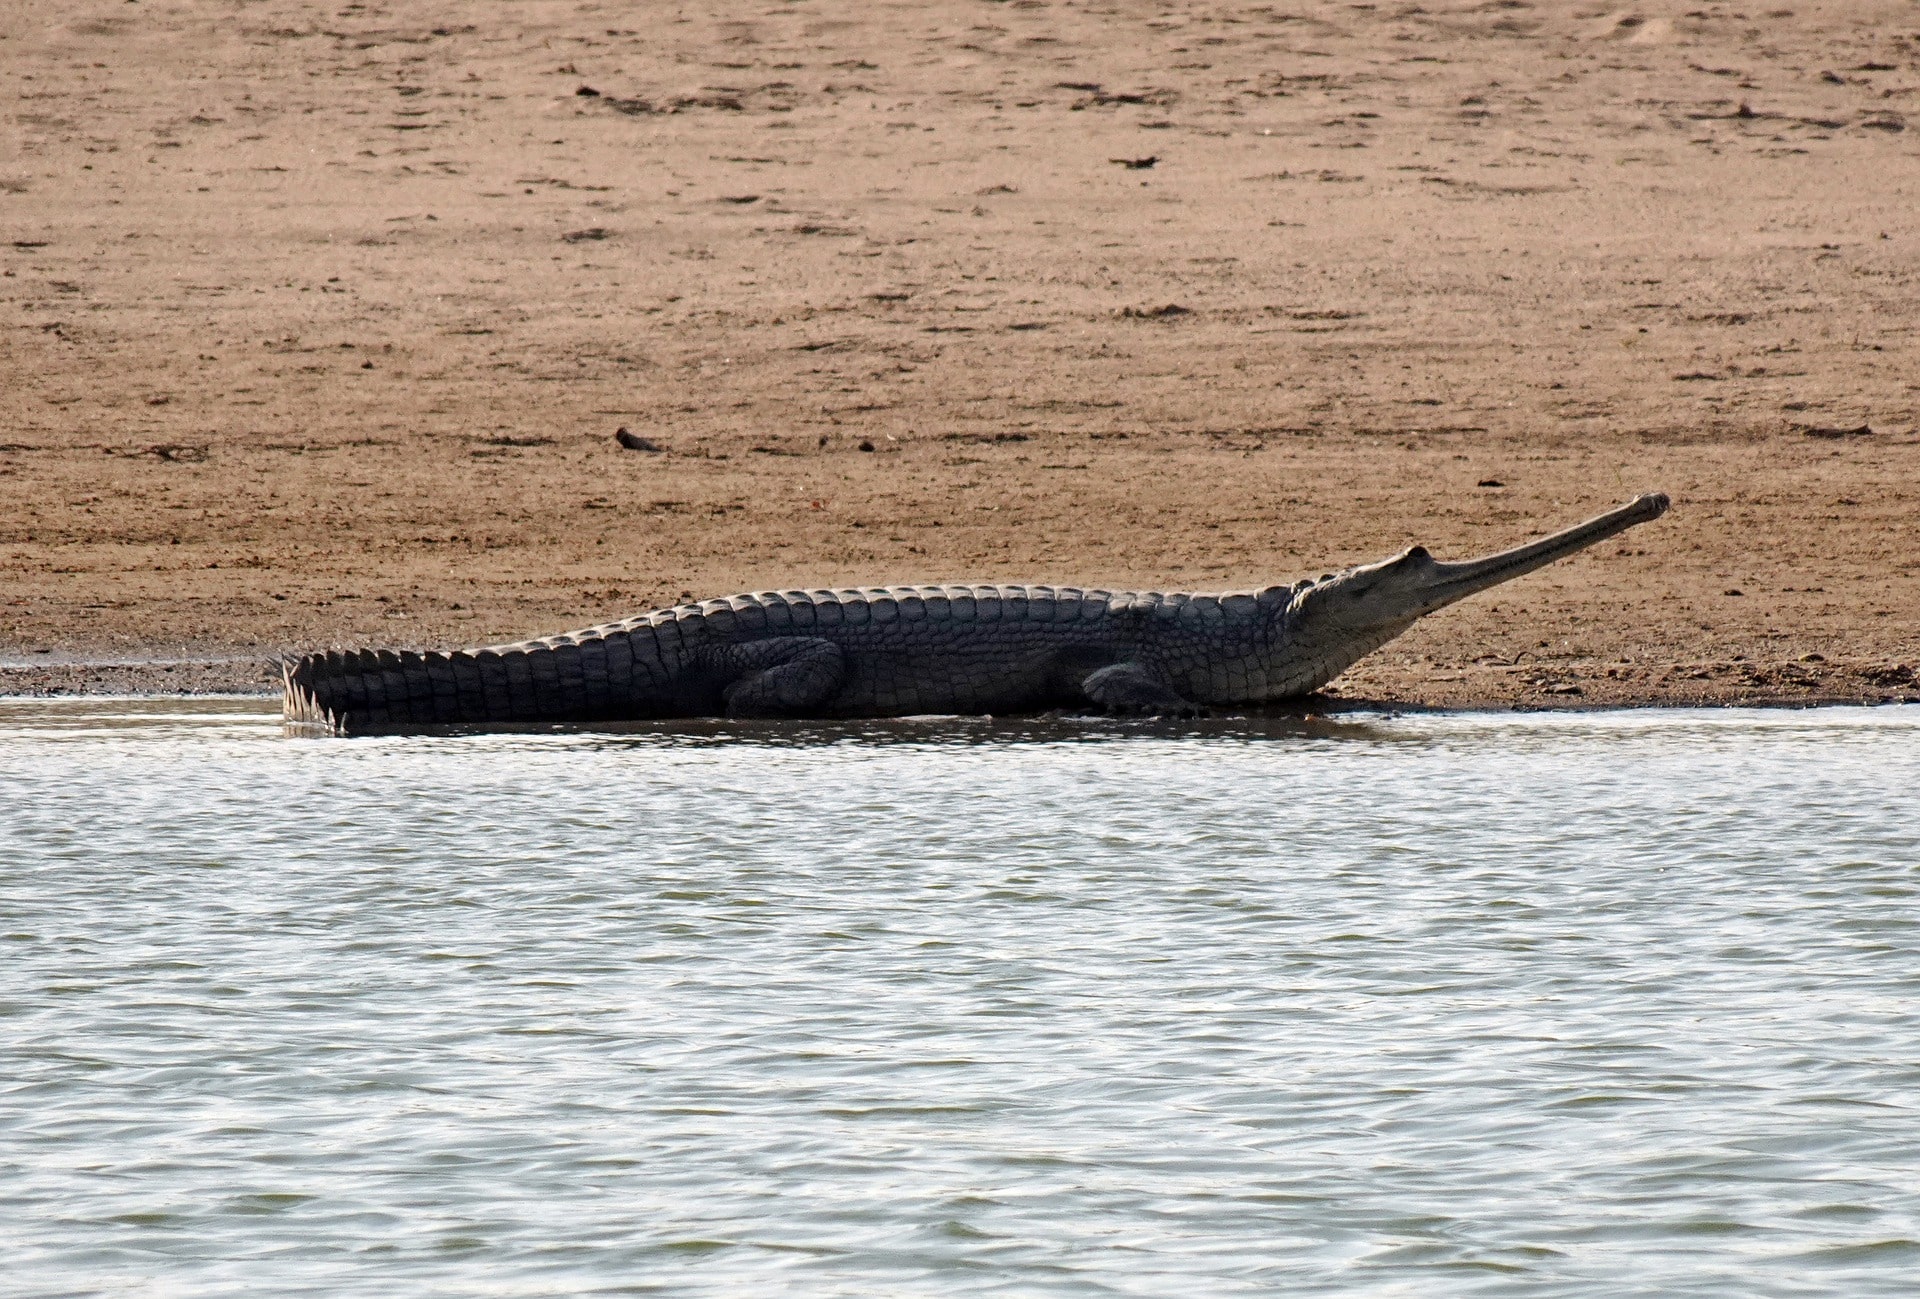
{"x": 877, "y": 651}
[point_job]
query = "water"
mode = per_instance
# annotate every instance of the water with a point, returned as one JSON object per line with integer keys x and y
{"x": 1603, "y": 1004}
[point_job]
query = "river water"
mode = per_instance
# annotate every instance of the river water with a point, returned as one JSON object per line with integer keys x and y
{"x": 1579, "y": 1004}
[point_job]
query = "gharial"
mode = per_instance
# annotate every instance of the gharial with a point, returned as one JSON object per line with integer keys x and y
{"x": 902, "y": 650}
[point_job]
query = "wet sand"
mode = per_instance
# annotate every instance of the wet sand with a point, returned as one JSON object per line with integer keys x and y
{"x": 317, "y": 325}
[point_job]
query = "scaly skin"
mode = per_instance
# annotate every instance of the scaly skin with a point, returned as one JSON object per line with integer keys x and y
{"x": 895, "y": 651}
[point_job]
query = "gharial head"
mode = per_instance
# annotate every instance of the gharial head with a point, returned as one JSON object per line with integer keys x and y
{"x": 1376, "y": 602}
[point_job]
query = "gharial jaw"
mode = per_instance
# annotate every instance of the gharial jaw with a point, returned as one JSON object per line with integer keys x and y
{"x": 1334, "y": 622}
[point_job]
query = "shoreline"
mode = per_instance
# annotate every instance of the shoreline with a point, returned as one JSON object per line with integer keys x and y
{"x": 1366, "y": 688}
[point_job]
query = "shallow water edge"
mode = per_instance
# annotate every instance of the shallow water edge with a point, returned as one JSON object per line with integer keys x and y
{"x": 1375, "y": 684}
{"x": 1484, "y": 1005}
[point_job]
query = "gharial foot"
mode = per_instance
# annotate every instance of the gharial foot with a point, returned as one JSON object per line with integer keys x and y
{"x": 1129, "y": 690}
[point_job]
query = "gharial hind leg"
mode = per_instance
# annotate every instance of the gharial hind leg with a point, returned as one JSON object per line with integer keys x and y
{"x": 782, "y": 676}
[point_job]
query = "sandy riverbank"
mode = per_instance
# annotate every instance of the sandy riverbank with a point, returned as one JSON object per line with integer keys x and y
{"x": 317, "y": 330}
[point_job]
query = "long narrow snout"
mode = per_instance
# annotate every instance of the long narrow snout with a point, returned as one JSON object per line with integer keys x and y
{"x": 1449, "y": 582}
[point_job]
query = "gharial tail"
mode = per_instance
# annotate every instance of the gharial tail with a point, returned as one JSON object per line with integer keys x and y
{"x": 356, "y": 691}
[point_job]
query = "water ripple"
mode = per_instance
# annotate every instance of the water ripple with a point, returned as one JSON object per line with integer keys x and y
{"x": 1602, "y": 1004}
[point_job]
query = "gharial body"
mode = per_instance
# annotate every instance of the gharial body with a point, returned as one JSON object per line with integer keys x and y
{"x": 903, "y": 650}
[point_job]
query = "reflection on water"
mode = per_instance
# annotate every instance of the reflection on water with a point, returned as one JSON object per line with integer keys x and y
{"x": 1572, "y": 1004}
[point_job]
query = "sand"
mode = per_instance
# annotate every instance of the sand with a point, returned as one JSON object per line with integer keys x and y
{"x": 317, "y": 323}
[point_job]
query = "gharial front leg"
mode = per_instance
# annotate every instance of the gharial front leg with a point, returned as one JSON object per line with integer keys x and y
{"x": 781, "y": 676}
{"x": 1130, "y": 689}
